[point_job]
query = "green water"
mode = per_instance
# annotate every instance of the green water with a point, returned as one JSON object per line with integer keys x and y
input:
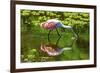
{"x": 31, "y": 42}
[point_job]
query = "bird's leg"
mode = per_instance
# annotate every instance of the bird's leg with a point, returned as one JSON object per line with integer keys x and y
{"x": 58, "y": 32}
{"x": 74, "y": 33}
{"x": 48, "y": 36}
{"x": 58, "y": 40}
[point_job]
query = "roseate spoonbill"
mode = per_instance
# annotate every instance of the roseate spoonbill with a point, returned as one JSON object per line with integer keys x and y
{"x": 54, "y": 24}
{"x": 52, "y": 49}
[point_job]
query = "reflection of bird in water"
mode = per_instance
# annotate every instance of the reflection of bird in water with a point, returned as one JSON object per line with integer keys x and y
{"x": 52, "y": 49}
{"x": 54, "y": 24}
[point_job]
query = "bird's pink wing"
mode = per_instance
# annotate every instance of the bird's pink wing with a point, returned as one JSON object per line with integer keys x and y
{"x": 51, "y": 25}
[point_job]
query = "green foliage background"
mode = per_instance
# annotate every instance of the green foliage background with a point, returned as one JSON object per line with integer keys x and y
{"x": 30, "y": 24}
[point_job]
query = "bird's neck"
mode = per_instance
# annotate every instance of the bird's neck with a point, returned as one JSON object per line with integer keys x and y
{"x": 68, "y": 27}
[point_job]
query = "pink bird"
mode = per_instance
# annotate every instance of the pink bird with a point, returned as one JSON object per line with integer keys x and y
{"x": 54, "y": 24}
